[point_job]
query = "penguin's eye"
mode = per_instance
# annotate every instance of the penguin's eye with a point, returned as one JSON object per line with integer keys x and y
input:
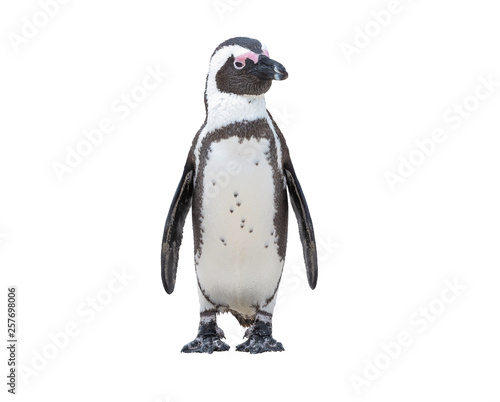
{"x": 239, "y": 65}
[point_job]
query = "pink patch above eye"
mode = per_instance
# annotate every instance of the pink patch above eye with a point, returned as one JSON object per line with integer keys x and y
{"x": 249, "y": 55}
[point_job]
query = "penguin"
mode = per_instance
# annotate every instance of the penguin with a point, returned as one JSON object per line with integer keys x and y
{"x": 235, "y": 179}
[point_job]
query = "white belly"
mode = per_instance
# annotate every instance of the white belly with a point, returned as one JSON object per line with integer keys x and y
{"x": 239, "y": 265}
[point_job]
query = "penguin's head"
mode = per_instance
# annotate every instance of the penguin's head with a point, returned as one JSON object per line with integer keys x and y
{"x": 242, "y": 66}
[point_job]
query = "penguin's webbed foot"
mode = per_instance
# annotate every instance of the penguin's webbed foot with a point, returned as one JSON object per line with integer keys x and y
{"x": 208, "y": 340}
{"x": 260, "y": 340}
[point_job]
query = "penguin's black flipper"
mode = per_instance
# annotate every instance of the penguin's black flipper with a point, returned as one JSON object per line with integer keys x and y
{"x": 306, "y": 229}
{"x": 172, "y": 234}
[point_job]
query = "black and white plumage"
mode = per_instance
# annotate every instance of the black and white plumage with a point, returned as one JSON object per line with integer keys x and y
{"x": 236, "y": 178}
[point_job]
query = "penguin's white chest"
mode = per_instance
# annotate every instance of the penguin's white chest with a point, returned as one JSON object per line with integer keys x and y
{"x": 238, "y": 265}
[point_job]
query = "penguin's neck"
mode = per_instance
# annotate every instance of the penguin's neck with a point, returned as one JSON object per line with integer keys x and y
{"x": 225, "y": 108}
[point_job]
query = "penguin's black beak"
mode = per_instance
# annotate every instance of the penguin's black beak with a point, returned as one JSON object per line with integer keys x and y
{"x": 268, "y": 69}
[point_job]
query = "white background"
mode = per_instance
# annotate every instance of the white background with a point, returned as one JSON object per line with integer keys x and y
{"x": 383, "y": 253}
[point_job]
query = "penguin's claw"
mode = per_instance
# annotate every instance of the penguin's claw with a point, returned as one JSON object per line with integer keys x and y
{"x": 260, "y": 340}
{"x": 208, "y": 340}
{"x": 205, "y": 344}
{"x": 258, "y": 344}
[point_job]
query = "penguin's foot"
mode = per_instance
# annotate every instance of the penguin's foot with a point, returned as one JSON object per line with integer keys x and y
{"x": 260, "y": 339}
{"x": 209, "y": 340}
